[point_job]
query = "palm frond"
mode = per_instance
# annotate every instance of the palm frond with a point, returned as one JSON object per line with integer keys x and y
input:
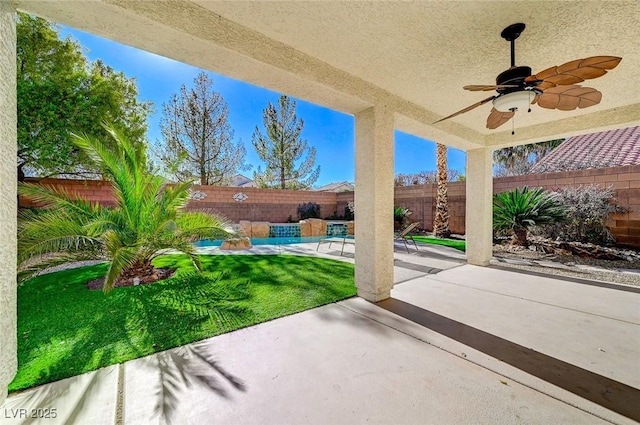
{"x": 36, "y": 265}
{"x": 54, "y": 232}
{"x": 122, "y": 255}
{"x": 54, "y": 197}
{"x": 98, "y": 151}
{"x": 524, "y": 207}
{"x": 149, "y": 216}
{"x": 198, "y": 225}
{"x": 188, "y": 249}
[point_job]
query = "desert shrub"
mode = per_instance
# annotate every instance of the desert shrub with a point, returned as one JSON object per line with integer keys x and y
{"x": 348, "y": 211}
{"x": 522, "y": 208}
{"x": 587, "y": 209}
{"x": 308, "y": 210}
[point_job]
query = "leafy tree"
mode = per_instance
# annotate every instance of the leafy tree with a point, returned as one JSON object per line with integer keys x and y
{"x": 149, "y": 217}
{"x": 518, "y": 160}
{"x": 281, "y": 147}
{"x": 441, "y": 220}
{"x": 58, "y": 90}
{"x": 197, "y": 136}
{"x": 424, "y": 177}
{"x": 519, "y": 209}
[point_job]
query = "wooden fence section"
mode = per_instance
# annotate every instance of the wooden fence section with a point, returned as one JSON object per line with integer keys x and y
{"x": 277, "y": 206}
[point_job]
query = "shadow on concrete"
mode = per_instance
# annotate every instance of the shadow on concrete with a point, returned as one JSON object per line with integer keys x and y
{"x": 416, "y": 267}
{"x": 430, "y": 252}
{"x": 62, "y": 401}
{"x": 185, "y": 367}
{"x": 618, "y": 287}
{"x": 613, "y": 395}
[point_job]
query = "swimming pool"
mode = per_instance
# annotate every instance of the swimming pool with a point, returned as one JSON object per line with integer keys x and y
{"x": 267, "y": 241}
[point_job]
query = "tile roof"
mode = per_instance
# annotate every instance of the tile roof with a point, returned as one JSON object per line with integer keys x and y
{"x": 336, "y": 187}
{"x": 613, "y": 148}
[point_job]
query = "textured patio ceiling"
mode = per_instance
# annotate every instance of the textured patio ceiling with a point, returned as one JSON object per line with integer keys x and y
{"x": 414, "y": 57}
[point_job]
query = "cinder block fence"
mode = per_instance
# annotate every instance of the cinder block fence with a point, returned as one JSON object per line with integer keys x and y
{"x": 277, "y": 206}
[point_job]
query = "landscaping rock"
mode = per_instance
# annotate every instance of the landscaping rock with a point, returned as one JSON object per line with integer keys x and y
{"x": 585, "y": 250}
{"x": 260, "y": 229}
{"x": 305, "y": 228}
{"x": 245, "y": 227}
{"x": 236, "y": 244}
{"x": 351, "y": 228}
{"x": 551, "y": 257}
{"x": 318, "y": 227}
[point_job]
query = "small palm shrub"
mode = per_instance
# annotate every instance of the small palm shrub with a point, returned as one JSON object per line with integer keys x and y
{"x": 148, "y": 218}
{"x": 587, "y": 209}
{"x": 400, "y": 214}
{"x": 520, "y": 209}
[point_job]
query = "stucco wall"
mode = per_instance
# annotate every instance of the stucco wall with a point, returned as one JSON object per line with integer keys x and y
{"x": 8, "y": 177}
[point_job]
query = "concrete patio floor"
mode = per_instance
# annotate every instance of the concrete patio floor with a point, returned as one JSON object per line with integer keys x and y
{"x": 456, "y": 344}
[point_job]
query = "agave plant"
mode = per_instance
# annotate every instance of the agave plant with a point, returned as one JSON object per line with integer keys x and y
{"x": 148, "y": 218}
{"x": 519, "y": 209}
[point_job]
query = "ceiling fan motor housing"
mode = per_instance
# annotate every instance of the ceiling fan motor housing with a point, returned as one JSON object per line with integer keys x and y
{"x": 513, "y": 76}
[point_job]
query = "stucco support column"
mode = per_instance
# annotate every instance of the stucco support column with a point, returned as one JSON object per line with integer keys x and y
{"x": 374, "y": 203}
{"x": 479, "y": 211}
{"x": 8, "y": 201}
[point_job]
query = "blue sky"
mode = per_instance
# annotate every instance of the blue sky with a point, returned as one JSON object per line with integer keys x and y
{"x": 329, "y": 131}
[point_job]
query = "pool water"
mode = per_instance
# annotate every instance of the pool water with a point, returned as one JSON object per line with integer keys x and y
{"x": 267, "y": 241}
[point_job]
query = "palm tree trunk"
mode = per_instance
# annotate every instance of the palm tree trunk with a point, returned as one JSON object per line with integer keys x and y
{"x": 441, "y": 220}
{"x": 139, "y": 269}
{"x": 521, "y": 236}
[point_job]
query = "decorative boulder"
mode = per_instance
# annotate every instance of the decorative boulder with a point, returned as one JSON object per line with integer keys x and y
{"x": 236, "y": 244}
{"x": 351, "y": 228}
{"x": 318, "y": 227}
{"x": 259, "y": 229}
{"x": 305, "y": 228}
{"x": 245, "y": 226}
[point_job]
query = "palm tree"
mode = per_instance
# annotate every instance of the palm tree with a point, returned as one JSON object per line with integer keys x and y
{"x": 517, "y": 160}
{"x": 519, "y": 209}
{"x": 148, "y": 218}
{"x": 441, "y": 220}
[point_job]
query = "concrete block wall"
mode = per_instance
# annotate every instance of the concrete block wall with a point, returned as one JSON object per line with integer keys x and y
{"x": 99, "y": 191}
{"x": 342, "y": 199}
{"x": 272, "y": 205}
{"x": 626, "y": 180}
{"x": 275, "y": 206}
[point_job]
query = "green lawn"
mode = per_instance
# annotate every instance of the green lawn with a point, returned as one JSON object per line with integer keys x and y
{"x": 453, "y": 243}
{"x": 65, "y": 329}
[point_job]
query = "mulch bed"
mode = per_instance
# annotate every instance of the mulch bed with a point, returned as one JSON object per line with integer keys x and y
{"x": 157, "y": 275}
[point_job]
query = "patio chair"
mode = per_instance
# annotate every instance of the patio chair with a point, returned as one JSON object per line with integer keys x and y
{"x": 334, "y": 239}
{"x": 404, "y": 235}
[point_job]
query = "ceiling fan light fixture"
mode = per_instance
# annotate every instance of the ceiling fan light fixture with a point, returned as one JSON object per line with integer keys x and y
{"x": 514, "y": 101}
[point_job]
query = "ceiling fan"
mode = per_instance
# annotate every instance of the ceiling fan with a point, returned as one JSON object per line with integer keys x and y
{"x": 553, "y": 88}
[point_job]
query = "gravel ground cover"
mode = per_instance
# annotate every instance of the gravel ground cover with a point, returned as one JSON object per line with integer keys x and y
{"x": 613, "y": 271}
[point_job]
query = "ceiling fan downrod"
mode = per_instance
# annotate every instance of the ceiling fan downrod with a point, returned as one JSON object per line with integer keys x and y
{"x": 511, "y": 33}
